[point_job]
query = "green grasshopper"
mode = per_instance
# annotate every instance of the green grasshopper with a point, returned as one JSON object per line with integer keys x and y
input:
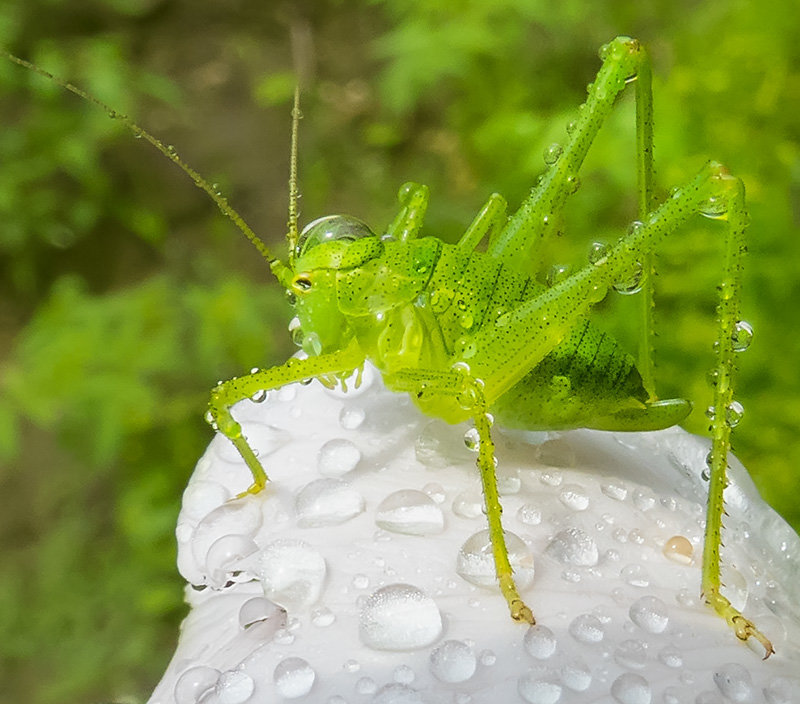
{"x": 472, "y": 335}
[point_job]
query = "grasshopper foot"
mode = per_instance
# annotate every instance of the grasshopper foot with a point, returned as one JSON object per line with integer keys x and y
{"x": 743, "y": 627}
{"x": 521, "y": 612}
{"x": 254, "y": 488}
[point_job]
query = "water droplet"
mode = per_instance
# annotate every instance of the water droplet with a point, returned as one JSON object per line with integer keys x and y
{"x": 573, "y": 183}
{"x": 360, "y": 581}
{"x": 260, "y": 609}
{"x": 631, "y": 689}
{"x": 573, "y": 546}
{"x": 225, "y": 558}
{"x": 403, "y": 674}
{"x": 539, "y": 642}
{"x": 781, "y": 690}
{"x": 399, "y": 617}
{"x": 557, "y": 273}
{"x": 365, "y": 685}
{"x": 239, "y": 518}
{"x": 650, "y": 614}
{"x": 715, "y": 208}
{"x": 411, "y": 512}
{"x": 529, "y": 515}
{"x": 615, "y": 490}
{"x": 234, "y": 687}
{"x": 475, "y": 561}
{"x": 337, "y": 457}
{"x": 635, "y": 575}
{"x": 632, "y": 283}
{"x": 734, "y": 413}
{"x": 587, "y": 628}
{"x": 351, "y": 417}
{"x": 644, "y": 501}
{"x": 292, "y": 573}
{"x": 598, "y": 253}
{"x": 453, "y": 661}
{"x": 576, "y": 675}
{"x": 539, "y": 686}
{"x": 552, "y": 153}
{"x": 488, "y": 658}
{"x": 468, "y": 504}
{"x": 293, "y": 677}
{"x": 435, "y": 491}
{"x": 327, "y": 502}
{"x": 260, "y": 396}
{"x": 734, "y": 682}
{"x": 466, "y": 320}
{"x": 574, "y": 497}
{"x": 194, "y": 684}
{"x": 322, "y": 617}
{"x": 742, "y": 336}
{"x": 671, "y": 657}
{"x": 472, "y": 439}
{"x": 397, "y": 694}
{"x": 631, "y": 654}
{"x": 679, "y": 549}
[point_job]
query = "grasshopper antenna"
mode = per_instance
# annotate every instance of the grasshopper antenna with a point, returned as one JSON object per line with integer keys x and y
{"x": 291, "y": 235}
{"x": 169, "y": 151}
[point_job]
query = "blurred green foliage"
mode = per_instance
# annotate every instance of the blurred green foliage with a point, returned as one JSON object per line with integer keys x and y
{"x": 124, "y": 296}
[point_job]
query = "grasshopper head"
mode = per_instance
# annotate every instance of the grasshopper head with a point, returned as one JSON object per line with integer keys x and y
{"x": 325, "y": 248}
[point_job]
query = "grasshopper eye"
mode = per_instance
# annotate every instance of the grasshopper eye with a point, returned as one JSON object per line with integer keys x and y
{"x": 331, "y": 227}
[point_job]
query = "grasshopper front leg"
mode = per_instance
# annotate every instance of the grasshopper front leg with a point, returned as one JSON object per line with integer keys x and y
{"x": 227, "y": 393}
{"x": 468, "y": 390}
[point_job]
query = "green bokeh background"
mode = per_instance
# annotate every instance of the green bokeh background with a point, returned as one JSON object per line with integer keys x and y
{"x": 124, "y": 295}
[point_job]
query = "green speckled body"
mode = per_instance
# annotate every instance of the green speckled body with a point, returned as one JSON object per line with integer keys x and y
{"x": 581, "y": 383}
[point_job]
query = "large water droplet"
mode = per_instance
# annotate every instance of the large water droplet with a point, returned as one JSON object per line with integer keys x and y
{"x": 573, "y": 546}
{"x": 587, "y": 628}
{"x": 556, "y": 274}
{"x": 598, "y": 253}
{"x": 632, "y": 283}
{"x": 227, "y": 556}
{"x": 734, "y": 682}
{"x": 631, "y": 689}
{"x": 734, "y": 413}
{"x": 241, "y": 518}
{"x": 259, "y": 610}
{"x": 293, "y": 677}
{"x": 337, "y": 457}
{"x": 399, "y": 617}
{"x": 292, "y": 573}
{"x": 327, "y": 502}
{"x": 411, "y": 512}
{"x": 576, "y": 675}
{"x": 539, "y": 642}
{"x": 234, "y": 687}
{"x": 742, "y": 336}
{"x": 539, "y": 686}
{"x": 194, "y": 684}
{"x": 475, "y": 561}
{"x": 650, "y": 614}
{"x": 453, "y": 661}
{"x": 552, "y": 153}
{"x": 679, "y": 549}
